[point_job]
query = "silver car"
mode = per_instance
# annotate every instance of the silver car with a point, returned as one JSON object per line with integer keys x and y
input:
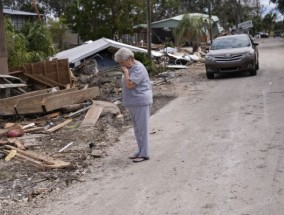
{"x": 233, "y": 53}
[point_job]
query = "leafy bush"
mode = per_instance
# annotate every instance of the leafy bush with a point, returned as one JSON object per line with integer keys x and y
{"x": 149, "y": 64}
{"x": 32, "y": 44}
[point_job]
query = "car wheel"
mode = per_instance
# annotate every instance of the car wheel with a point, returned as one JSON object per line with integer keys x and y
{"x": 253, "y": 72}
{"x": 210, "y": 75}
{"x": 257, "y": 66}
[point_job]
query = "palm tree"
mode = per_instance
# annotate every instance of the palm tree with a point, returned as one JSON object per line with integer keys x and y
{"x": 192, "y": 27}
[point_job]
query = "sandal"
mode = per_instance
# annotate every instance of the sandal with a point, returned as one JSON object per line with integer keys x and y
{"x": 140, "y": 159}
{"x": 133, "y": 156}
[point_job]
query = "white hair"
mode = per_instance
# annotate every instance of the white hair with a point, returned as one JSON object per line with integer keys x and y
{"x": 123, "y": 54}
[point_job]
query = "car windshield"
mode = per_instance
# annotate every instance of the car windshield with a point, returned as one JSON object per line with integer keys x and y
{"x": 230, "y": 42}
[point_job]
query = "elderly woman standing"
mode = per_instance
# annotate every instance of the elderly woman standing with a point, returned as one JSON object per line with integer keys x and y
{"x": 137, "y": 98}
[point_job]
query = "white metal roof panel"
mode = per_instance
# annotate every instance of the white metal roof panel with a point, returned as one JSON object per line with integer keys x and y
{"x": 17, "y": 12}
{"x": 76, "y": 54}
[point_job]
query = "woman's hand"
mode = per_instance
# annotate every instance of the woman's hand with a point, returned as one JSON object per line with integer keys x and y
{"x": 129, "y": 84}
{"x": 125, "y": 70}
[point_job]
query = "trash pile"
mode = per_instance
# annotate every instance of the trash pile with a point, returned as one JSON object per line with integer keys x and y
{"x": 54, "y": 121}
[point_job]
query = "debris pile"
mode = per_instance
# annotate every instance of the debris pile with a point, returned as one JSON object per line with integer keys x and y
{"x": 50, "y": 135}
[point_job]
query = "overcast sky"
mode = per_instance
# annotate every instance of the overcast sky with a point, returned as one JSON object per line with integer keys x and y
{"x": 270, "y": 6}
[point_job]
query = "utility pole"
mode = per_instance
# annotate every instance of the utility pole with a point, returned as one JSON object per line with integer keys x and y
{"x": 210, "y": 20}
{"x": 3, "y": 47}
{"x": 36, "y": 9}
{"x": 149, "y": 28}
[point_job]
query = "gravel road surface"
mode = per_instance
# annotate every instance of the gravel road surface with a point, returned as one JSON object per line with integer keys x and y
{"x": 215, "y": 149}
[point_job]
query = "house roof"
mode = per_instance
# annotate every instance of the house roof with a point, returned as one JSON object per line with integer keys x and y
{"x": 174, "y": 21}
{"x": 75, "y": 55}
{"x": 17, "y": 12}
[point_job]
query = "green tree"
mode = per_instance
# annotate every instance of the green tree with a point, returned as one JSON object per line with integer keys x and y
{"x": 190, "y": 25}
{"x": 38, "y": 38}
{"x": 163, "y": 9}
{"x": 33, "y": 44}
{"x": 57, "y": 30}
{"x": 54, "y": 7}
{"x": 94, "y": 19}
{"x": 269, "y": 21}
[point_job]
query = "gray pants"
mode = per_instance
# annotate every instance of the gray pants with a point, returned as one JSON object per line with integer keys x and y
{"x": 140, "y": 116}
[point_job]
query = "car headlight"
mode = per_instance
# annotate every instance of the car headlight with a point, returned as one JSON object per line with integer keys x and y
{"x": 209, "y": 58}
{"x": 248, "y": 54}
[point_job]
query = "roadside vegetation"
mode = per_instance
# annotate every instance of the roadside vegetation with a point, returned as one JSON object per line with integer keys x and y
{"x": 95, "y": 19}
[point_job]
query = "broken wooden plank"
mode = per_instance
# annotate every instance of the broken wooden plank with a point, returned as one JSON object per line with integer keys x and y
{"x": 92, "y": 116}
{"x": 31, "y": 136}
{"x": 16, "y": 142}
{"x": 3, "y": 142}
{"x": 55, "y": 128}
{"x": 33, "y": 104}
{"x": 31, "y": 155}
{"x": 74, "y": 107}
{"x": 33, "y": 129}
{"x": 52, "y": 115}
{"x": 7, "y": 104}
{"x": 79, "y": 111}
{"x": 58, "y": 101}
{"x": 108, "y": 107}
{"x": 9, "y": 82}
{"x": 30, "y": 125}
{"x": 5, "y": 86}
{"x": 38, "y": 161}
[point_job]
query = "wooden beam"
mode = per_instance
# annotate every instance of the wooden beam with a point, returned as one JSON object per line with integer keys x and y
{"x": 58, "y": 101}
{"x": 33, "y": 104}
{"x": 96, "y": 110}
{"x": 7, "y": 104}
{"x": 40, "y": 161}
{"x": 109, "y": 107}
{"x": 92, "y": 116}
{"x": 31, "y": 155}
{"x": 4, "y": 86}
{"x": 55, "y": 128}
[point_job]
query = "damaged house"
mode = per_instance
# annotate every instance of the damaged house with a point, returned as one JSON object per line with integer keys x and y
{"x": 163, "y": 30}
{"x": 101, "y": 50}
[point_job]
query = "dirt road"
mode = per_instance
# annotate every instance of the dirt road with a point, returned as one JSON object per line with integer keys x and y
{"x": 216, "y": 149}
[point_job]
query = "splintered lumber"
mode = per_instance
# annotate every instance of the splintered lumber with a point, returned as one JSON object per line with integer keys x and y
{"x": 4, "y": 86}
{"x": 92, "y": 116}
{"x": 38, "y": 160}
{"x": 52, "y": 115}
{"x": 58, "y": 101}
{"x": 3, "y": 132}
{"x": 79, "y": 111}
{"x": 33, "y": 129}
{"x": 108, "y": 107}
{"x": 33, "y": 104}
{"x": 17, "y": 143}
{"x": 54, "y": 128}
{"x": 7, "y": 104}
{"x": 95, "y": 111}
{"x": 28, "y": 125}
{"x": 74, "y": 107}
{"x": 9, "y": 124}
{"x": 3, "y": 142}
{"x": 30, "y": 155}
